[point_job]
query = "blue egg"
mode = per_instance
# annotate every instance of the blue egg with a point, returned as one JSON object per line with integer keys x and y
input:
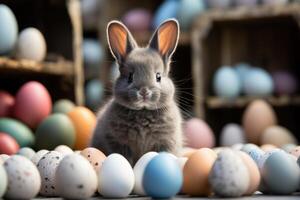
{"x": 242, "y": 69}
{"x": 168, "y": 9}
{"x": 258, "y": 83}
{"x": 188, "y": 10}
{"x": 162, "y": 177}
{"x": 94, "y": 93}
{"x": 8, "y": 29}
{"x": 226, "y": 82}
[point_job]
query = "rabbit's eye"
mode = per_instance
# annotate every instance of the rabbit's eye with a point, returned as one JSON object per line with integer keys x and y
{"x": 130, "y": 78}
{"x": 158, "y": 77}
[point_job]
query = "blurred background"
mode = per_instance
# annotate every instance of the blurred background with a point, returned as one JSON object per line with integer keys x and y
{"x": 237, "y": 61}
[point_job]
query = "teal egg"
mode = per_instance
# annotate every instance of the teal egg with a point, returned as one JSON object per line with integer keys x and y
{"x": 281, "y": 174}
{"x": 168, "y": 9}
{"x": 17, "y": 130}
{"x": 94, "y": 93}
{"x": 242, "y": 69}
{"x": 63, "y": 106}
{"x": 8, "y": 30}
{"x": 188, "y": 10}
{"x": 3, "y": 180}
{"x": 57, "y": 129}
{"x": 93, "y": 55}
{"x": 226, "y": 82}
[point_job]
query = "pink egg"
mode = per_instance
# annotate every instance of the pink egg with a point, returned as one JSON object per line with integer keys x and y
{"x": 137, "y": 20}
{"x": 33, "y": 104}
{"x": 7, "y": 102}
{"x": 198, "y": 134}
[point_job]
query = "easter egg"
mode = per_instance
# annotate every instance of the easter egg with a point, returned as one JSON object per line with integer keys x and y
{"x": 268, "y": 147}
{"x": 91, "y": 10}
{"x": 242, "y": 70}
{"x": 278, "y": 136}
{"x": 7, "y": 102}
{"x": 37, "y": 157}
{"x": 9, "y": 29}
{"x": 198, "y": 134}
{"x": 93, "y": 55}
{"x": 32, "y": 104}
{"x": 31, "y": 45}
{"x": 219, "y": 3}
{"x": 285, "y": 83}
{"x": 258, "y": 116}
{"x": 20, "y": 132}
{"x": 94, "y": 92}
{"x": 63, "y": 106}
{"x": 75, "y": 172}
{"x": 229, "y": 176}
{"x": 258, "y": 83}
{"x": 3, "y": 181}
{"x": 281, "y": 174}
{"x": 253, "y": 151}
{"x": 8, "y": 145}
{"x": 55, "y": 130}
{"x": 288, "y": 147}
{"x": 64, "y": 150}
{"x": 168, "y": 9}
{"x": 94, "y": 156}
{"x": 295, "y": 151}
{"x": 196, "y": 172}
{"x": 246, "y": 2}
{"x": 84, "y": 122}
{"x": 265, "y": 156}
{"x": 137, "y": 20}
{"x": 226, "y": 82}
{"x": 139, "y": 169}
{"x": 47, "y": 167}
{"x": 274, "y": 2}
{"x": 162, "y": 177}
{"x": 232, "y": 134}
{"x": 26, "y": 152}
{"x": 116, "y": 177}
{"x": 24, "y": 180}
{"x": 188, "y": 10}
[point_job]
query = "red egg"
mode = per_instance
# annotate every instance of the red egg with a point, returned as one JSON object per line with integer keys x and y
{"x": 8, "y": 145}
{"x": 32, "y": 104}
{"x": 7, "y": 102}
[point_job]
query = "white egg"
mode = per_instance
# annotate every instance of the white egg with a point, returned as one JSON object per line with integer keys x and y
{"x": 75, "y": 177}
{"x": 229, "y": 176}
{"x": 232, "y": 134}
{"x": 3, "y": 181}
{"x": 64, "y": 150}
{"x": 237, "y": 146}
{"x": 24, "y": 181}
{"x": 31, "y": 45}
{"x": 116, "y": 177}
{"x": 38, "y": 155}
{"x": 27, "y": 152}
{"x": 139, "y": 169}
{"x": 47, "y": 167}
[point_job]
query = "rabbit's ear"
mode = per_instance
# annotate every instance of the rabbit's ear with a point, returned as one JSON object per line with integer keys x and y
{"x": 120, "y": 40}
{"x": 165, "y": 38}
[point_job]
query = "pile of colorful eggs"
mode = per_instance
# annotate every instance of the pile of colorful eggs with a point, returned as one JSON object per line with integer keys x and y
{"x": 29, "y": 120}
{"x": 240, "y": 170}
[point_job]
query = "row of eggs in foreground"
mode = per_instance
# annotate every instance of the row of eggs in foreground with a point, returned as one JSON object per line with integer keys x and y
{"x": 228, "y": 172}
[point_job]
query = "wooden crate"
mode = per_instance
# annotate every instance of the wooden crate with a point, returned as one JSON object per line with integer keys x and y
{"x": 61, "y": 72}
{"x": 265, "y": 36}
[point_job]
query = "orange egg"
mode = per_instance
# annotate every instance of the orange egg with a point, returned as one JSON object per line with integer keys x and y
{"x": 196, "y": 172}
{"x": 94, "y": 156}
{"x": 84, "y": 122}
{"x": 268, "y": 147}
{"x": 253, "y": 172}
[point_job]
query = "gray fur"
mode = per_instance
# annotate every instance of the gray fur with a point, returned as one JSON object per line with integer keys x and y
{"x": 131, "y": 126}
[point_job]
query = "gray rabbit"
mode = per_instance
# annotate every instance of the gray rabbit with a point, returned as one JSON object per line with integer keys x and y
{"x": 143, "y": 115}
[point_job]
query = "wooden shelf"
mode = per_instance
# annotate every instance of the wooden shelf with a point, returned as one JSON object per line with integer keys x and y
{"x": 61, "y": 67}
{"x": 240, "y": 102}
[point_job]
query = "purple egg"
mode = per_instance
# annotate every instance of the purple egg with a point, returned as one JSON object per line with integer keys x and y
{"x": 285, "y": 82}
{"x": 246, "y": 2}
{"x": 138, "y": 20}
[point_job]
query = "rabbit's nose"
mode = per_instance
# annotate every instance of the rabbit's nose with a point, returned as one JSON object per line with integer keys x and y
{"x": 145, "y": 92}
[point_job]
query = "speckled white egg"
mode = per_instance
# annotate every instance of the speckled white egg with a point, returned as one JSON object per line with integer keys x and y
{"x": 31, "y": 45}
{"x": 24, "y": 181}
{"x": 75, "y": 177}
{"x": 116, "y": 177}
{"x": 38, "y": 155}
{"x": 139, "y": 169}
{"x": 27, "y": 152}
{"x": 64, "y": 150}
{"x": 47, "y": 167}
{"x": 3, "y": 180}
{"x": 229, "y": 176}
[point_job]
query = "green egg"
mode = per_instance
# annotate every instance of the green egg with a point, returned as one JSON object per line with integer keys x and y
{"x": 57, "y": 129}
{"x": 63, "y": 106}
{"x": 17, "y": 130}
